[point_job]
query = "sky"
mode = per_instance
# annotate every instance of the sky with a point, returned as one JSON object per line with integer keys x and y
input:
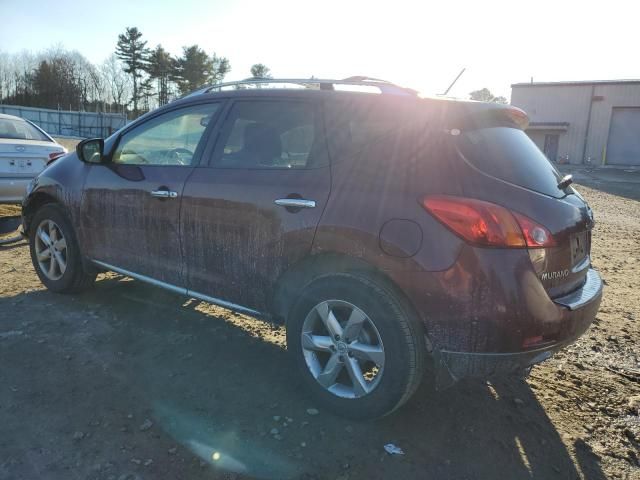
{"x": 418, "y": 44}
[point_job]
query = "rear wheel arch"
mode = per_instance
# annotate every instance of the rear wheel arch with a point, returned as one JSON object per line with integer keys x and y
{"x": 297, "y": 277}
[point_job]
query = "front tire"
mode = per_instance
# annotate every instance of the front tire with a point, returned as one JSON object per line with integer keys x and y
{"x": 55, "y": 252}
{"x": 358, "y": 347}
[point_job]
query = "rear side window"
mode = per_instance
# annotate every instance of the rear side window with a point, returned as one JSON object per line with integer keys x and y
{"x": 509, "y": 154}
{"x": 20, "y": 130}
{"x": 271, "y": 134}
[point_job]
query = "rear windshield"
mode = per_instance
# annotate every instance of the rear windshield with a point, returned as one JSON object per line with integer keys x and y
{"x": 20, "y": 130}
{"x": 509, "y": 154}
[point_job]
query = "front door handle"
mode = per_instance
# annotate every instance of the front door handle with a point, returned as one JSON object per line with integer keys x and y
{"x": 295, "y": 203}
{"x": 164, "y": 194}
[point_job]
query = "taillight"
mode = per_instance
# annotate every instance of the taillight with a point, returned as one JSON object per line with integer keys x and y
{"x": 487, "y": 224}
{"x": 535, "y": 234}
{"x": 55, "y": 155}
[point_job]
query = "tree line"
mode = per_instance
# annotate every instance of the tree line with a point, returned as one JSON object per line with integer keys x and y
{"x": 132, "y": 80}
{"x": 485, "y": 95}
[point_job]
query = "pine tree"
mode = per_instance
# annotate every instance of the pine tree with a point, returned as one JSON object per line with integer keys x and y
{"x": 195, "y": 68}
{"x": 131, "y": 50}
{"x": 260, "y": 70}
{"x": 485, "y": 95}
{"x": 161, "y": 67}
{"x": 221, "y": 66}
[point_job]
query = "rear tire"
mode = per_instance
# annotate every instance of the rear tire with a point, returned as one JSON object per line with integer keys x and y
{"x": 55, "y": 252}
{"x": 359, "y": 349}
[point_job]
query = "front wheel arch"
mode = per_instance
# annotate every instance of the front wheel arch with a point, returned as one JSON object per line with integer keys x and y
{"x": 34, "y": 203}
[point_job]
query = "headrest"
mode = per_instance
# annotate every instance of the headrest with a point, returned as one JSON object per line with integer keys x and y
{"x": 262, "y": 140}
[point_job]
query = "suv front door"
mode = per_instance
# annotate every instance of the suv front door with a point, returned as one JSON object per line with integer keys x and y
{"x": 131, "y": 204}
{"x": 254, "y": 212}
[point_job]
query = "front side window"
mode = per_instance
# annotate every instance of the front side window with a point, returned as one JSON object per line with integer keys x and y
{"x": 271, "y": 134}
{"x": 170, "y": 139}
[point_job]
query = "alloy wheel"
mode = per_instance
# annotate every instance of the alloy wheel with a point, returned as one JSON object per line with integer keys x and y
{"x": 51, "y": 250}
{"x": 343, "y": 349}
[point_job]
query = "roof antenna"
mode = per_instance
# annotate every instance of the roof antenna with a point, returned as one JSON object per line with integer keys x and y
{"x": 453, "y": 83}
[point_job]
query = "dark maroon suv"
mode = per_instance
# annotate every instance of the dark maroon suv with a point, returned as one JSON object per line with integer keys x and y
{"x": 387, "y": 231}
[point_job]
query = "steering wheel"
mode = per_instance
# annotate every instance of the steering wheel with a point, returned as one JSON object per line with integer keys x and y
{"x": 177, "y": 154}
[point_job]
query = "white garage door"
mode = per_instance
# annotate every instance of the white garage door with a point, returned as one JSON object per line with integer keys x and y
{"x": 623, "y": 147}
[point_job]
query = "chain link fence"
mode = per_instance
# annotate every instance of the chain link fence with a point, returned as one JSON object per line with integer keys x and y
{"x": 68, "y": 123}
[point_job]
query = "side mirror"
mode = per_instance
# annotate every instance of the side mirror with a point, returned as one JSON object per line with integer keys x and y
{"x": 91, "y": 150}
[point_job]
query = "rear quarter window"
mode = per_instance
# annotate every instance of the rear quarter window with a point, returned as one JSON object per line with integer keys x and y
{"x": 508, "y": 154}
{"x": 357, "y": 128}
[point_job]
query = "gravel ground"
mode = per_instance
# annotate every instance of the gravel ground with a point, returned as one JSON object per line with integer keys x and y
{"x": 130, "y": 382}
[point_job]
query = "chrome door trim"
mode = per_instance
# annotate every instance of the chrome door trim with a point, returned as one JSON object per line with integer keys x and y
{"x": 295, "y": 202}
{"x": 180, "y": 290}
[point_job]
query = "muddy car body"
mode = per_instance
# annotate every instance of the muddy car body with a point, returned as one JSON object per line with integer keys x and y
{"x": 384, "y": 229}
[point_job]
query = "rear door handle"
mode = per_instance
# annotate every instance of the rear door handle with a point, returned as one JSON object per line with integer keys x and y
{"x": 295, "y": 203}
{"x": 164, "y": 194}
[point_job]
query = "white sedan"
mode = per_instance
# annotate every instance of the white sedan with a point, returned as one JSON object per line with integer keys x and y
{"x": 25, "y": 150}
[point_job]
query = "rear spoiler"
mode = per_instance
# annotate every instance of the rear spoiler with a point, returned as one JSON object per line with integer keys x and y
{"x": 491, "y": 116}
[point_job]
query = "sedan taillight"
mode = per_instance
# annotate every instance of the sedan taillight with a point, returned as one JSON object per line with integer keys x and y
{"x": 55, "y": 155}
{"x": 487, "y": 224}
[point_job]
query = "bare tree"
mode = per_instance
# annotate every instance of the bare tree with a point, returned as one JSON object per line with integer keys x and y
{"x": 117, "y": 83}
{"x": 5, "y": 74}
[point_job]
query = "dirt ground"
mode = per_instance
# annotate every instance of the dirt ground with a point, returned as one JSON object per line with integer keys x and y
{"x": 131, "y": 382}
{"x": 68, "y": 143}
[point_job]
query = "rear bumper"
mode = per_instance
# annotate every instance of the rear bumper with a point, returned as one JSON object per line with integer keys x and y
{"x": 12, "y": 190}
{"x": 578, "y": 310}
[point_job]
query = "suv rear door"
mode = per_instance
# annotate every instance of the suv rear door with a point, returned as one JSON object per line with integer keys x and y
{"x": 131, "y": 204}
{"x": 254, "y": 211}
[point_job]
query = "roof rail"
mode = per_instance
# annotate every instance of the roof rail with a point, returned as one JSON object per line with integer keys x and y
{"x": 323, "y": 84}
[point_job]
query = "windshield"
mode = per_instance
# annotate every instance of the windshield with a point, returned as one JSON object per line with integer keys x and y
{"x": 509, "y": 154}
{"x": 20, "y": 130}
